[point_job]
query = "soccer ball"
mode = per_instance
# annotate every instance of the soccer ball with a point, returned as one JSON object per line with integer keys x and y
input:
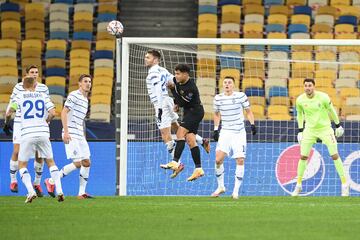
{"x": 115, "y": 28}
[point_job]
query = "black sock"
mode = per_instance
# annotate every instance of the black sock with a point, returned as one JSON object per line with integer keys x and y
{"x": 179, "y": 148}
{"x": 195, "y": 153}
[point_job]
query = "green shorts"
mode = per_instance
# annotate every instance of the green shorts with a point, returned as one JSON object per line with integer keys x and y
{"x": 310, "y": 136}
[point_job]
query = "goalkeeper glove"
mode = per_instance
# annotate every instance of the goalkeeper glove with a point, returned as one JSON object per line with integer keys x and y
{"x": 339, "y": 131}
{"x": 7, "y": 129}
{"x": 216, "y": 135}
{"x": 253, "y": 129}
{"x": 160, "y": 111}
{"x": 300, "y": 135}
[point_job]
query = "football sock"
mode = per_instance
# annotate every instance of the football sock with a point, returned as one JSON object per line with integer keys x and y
{"x": 38, "y": 167}
{"x": 300, "y": 170}
{"x": 340, "y": 170}
{"x": 179, "y": 148}
{"x": 171, "y": 148}
{"x": 26, "y": 179}
{"x": 67, "y": 169}
{"x": 239, "y": 175}
{"x": 14, "y": 167}
{"x": 84, "y": 175}
{"x": 195, "y": 153}
{"x": 199, "y": 139}
{"x": 55, "y": 176}
{"x": 219, "y": 173}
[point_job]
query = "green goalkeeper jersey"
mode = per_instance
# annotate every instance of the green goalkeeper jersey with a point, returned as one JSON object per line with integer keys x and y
{"x": 317, "y": 112}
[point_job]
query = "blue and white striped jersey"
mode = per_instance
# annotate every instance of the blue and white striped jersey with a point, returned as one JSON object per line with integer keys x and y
{"x": 231, "y": 110}
{"x": 156, "y": 81}
{"x": 78, "y": 106}
{"x": 18, "y": 88}
{"x": 33, "y": 108}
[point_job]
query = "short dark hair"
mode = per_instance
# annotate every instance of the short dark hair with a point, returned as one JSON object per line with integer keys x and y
{"x": 30, "y": 67}
{"x": 182, "y": 68}
{"x": 82, "y": 76}
{"x": 155, "y": 53}
{"x": 28, "y": 81}
{"x": 230, "y": 77}
{"x": 309, "y": 80}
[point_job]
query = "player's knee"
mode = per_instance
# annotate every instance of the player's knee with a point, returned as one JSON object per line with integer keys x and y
{"x": 219, "y": 161}
{"x": 304, "y": 157}
{"x": 335, "y": 156}
{"x": 77, "y": 164}
{"x": 86, "y": 163}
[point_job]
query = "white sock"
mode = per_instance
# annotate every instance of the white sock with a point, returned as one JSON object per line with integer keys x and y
{"x": 219, "y": 172}
{"x": 26, "y": 179}
{"x": 67, "y": 169}
{"x": 171, "y": 148}
{"x": 38, "y": 167}
{"x": 84, "y": 175}
{"x": 14, "y": 167}
{"x": 239, "y": 174}
{"x": 199, "y": 139}
{"x": 55, "y": 176}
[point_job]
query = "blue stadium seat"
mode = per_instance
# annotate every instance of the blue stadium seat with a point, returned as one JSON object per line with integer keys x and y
{"x": 277, "y": 91}
{"x": 227, "y": 2}
{"x": 358, "y": 84}
{"x": 255, "y": 92}
{"x": 82, "y": 36}
{"x": 297, "y": 28}
{"x": 58, "y": 90}
{"x": 55, "y": 54}
{"x": 59, "y": 35}
{"x": 207, "y": 9}
{"x": 85, "y": 1}
{"x": 106, "y": 17}
{"x": 55, "y": 72}
{"x": 230, "y": 60}
{"x": 9, "y": 7}
{"x": 254, "y": 48}
{"x": 347, "y": 19}
{"x": 306, "y": 10}
{"x": 280, "y": 48}
{"x": 70, "y": 2}
{"x": 101, "y": 54}
{"x": 273, "y": 2}
{"x": 275, "y": 28}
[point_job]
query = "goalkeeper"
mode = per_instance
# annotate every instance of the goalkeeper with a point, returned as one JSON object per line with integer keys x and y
{"x": 316, "y": 110}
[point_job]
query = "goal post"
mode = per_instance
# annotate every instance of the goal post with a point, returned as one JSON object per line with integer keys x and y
{"x": 262, "y": 72}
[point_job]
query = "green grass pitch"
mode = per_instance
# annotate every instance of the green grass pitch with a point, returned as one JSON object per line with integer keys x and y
{"x": 181, "y": 218}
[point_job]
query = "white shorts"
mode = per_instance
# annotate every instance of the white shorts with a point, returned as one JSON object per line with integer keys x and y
{"x": 232, "y": 142}
{"x": 77, "y": 150}
{"x": 29, "y": 145}
{"x": 17, "y": 133}
{"x": 168, "y": 116}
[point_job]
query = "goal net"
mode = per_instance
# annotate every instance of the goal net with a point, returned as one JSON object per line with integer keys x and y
{"x": 271, "y": 73}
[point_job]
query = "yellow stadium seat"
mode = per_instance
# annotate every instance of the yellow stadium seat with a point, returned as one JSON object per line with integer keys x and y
{"x": 257, "y": 2}
{"x": 280, "y": 9}
{"x": 319, "y": 27}
{"x": 83, "y": 16}
{"x": 280, "y": 101}
{"x": 207, "y": 30}
{"x": 80, "y": 53}
{"x": 34, "y": 11}
{"x": 324, "y": 82}
{"x": 4, "y": 98}
{"x": 279, "y": 117}
{"x": 254, "y": 59}
{"x": 296, "y": 82}
{"x": 253, "y": 27}
{"x": 102, "y": 81}
{"x": 348, "y": 10}
{"x": 339, "y": 2}
{"x": 230, "y": 13}
{"x": 10, "y": 30}
{"x": 105, "y": 45}
{"x": 56, "y": 45}
{"x": 207, "y": 17}
{"x": 253, "y": 9}
{"x": 8, "y": 62}
{"x": 15, "y": 16}
{"x": 257, "y": 100}
{"x": 350, "y": 110}
{"x": 8, "y": 43}
{"x": 295, "y": 2}
{"x": 27, "y": 61}
{"x": 276, "y": 35}
{"x": 77, "y": 71}
{"x": 100, "y": 116}
{"x": 81, "y": 44}
{"x": 258, "y": 111}
{"x": 301, "y": 19}
{"x": 101, "y": 99}
{"x": 307, "y": 56}
{"x": 107, "y": 72}
{"x": 328, "y": 90}
{"x": 104, "y": 36}
{"x": 55, "y": 62}
{"x": 344, "y": 28}
{"x": 78, "y": 62}
{"x": 83, "y": 26}
{"x": 105, "y": 90}
{"x": 330, "y": 74}
{"x": 107, "y": 8}
{"x": 104, "y": 63}
{"x": 251, "y": 82}
{"x": 34, "y": 25}
{"x": 277, "y": 19}
{"x": 55, "y": 81}
{"x": 349, "y": 92}
{"x": 6, "y": 88}
{"x": 327, "y": 10}
{"x": 320, "y": 35}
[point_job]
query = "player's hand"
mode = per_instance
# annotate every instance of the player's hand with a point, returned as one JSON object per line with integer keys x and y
{"x": 339, "y": 131}
{"x": 216, "y": 135}
{"x": 253, "y": 129}
{"x": 160, "y": 111}
{"x": 300, "y": 137}
{"x": 7, "y": 129}
{"x": 176, "y": 108}
{"x": 170, "y": 84}
{"x": 66, "y": 138}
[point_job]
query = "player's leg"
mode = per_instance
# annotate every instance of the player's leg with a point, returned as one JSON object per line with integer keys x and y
{"x": 14, "y": 167}
{"x": 329, "y": 139}
{"x": 38, "y": 169}
{"x": 195, "y": 154}
{"x": 238, "y": 146}
{"x": 27, "y": 150}
{"x": 219, "y": 172}
{"x": 84, "y": 176}
{"x": 167, "y": 139}
{"x": 309, "y": 138}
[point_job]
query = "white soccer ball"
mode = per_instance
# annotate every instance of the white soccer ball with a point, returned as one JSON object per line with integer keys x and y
{"x": 115, "y": 28}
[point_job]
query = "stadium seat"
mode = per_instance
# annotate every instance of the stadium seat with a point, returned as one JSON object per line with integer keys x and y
{"x": 207, "y": 17}
{"x": 347, "y": 20}
{"x": 345, "y": 83}
{"x": 258, "y": 111}
{"x": 230, "y": 30}
{"x": 231, "y": 14}
{"x": 253, "y": 9}
{"x": 280, "y": 9}
{"x": 255, "y": 100}
{"x": 254, "y": 18}
{"x": 274, "y": 28}
{"x": 277, "y": 19}
{"x": 55, "y": 81}
{"x": 295, "y": 2}
{"x": 251, "y": 82}
{"x": 327, "y": 10}
{"x": 325, "y": 19}
{"x": 302, "y": 10}
{"x": 255, "y": 92}
{"x": 280, "y": 101}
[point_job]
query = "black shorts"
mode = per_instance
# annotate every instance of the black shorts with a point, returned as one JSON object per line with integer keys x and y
{"x": 192, "y": 118}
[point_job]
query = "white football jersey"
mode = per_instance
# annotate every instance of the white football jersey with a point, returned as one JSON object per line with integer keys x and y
{"x": 231, "y": 110}
{"x": 78, "y": 105}
{"x": 18, "y": 88}
{"x": 33, "y": 108}
{"x": 156, "y": 81}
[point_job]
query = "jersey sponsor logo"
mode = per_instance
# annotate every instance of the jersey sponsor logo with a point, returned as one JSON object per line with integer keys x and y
{"x": 351, "y": 168}
{"x": 286, "y": 170}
